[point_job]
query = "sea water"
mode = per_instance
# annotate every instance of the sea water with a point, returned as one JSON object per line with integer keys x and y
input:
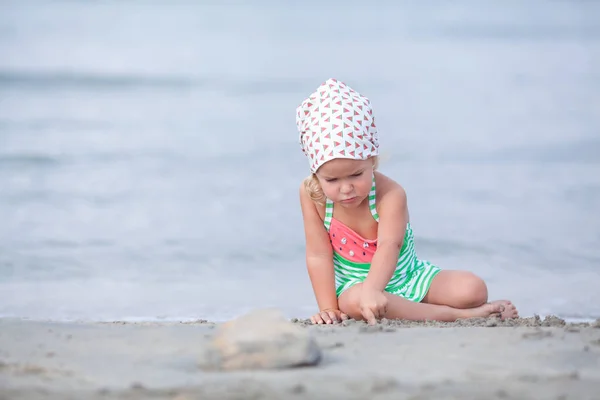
{"x": 150, "y": 165}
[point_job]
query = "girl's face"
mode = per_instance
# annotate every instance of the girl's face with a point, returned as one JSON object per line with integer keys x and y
{"x": 346, "y": 181}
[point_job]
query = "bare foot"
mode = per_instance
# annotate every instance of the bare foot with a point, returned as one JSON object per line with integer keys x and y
{"x": 510, "y": 311}
{"x": 502, "y": 308}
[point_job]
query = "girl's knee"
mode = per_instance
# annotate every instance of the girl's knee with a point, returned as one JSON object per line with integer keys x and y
{"x": 473, "y": 291}
{"x": 458, "y": 289}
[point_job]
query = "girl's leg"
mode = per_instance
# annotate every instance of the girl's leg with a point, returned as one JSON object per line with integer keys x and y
{"x": 459, "y": 289}
{"x": 401, "y": 308}
{"x": 464, "y": 290}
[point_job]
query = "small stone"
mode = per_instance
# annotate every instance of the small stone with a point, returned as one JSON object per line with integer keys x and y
{"x": 371, "y": 328}
{"x": 332, "y": 345}
{"x": 552, "y": 320}
{"x": 195, "y": 322}
{"x": 490, "y": 323}
{"x": 298, "y": 389}
{"x": 382, "y": 385}
{"x": 262, "y": 339}
{"x": 573, "y": 375}
{"x": 536, "y": 334}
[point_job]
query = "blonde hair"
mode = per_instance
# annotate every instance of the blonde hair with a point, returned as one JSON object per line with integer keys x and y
{"x": 314, "y": 189}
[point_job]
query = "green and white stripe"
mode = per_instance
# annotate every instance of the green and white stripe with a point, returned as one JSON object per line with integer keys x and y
{"x": 412, "y": 276}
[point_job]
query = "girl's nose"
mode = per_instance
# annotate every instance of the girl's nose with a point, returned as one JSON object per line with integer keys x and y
{"x": 346, "y": 188}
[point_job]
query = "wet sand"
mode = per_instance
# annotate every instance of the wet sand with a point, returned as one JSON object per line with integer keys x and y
{"x": 522, "y": 359}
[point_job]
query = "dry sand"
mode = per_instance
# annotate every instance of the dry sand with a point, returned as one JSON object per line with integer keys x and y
{"x": 475, "y": 359}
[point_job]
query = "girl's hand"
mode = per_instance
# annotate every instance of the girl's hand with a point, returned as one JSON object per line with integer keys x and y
{"x": 373, "y": 305}
{"x": 328, "y": 316}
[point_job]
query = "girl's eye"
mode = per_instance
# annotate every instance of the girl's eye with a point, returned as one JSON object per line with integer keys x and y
{"x": 358, "y": 174}
{"x": 331, "y": 180}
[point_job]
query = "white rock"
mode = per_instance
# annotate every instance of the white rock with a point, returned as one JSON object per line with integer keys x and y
{"x": 262, "y": 339}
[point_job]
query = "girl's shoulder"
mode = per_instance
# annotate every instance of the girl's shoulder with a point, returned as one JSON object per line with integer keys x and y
{"x": 385, "y": 185}
{"x": 308, "y": 204}
{"x": 388, "y": 192}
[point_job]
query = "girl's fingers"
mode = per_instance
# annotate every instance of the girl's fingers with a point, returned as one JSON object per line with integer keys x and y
{"x": 369, "y": 316}
{"x": 325, "y": 316}
{"x": 333, "y": 316}
{"x": 328, "y": 317}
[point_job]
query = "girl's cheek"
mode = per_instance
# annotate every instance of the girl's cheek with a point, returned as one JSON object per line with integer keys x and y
{"x": 329, "y": 189}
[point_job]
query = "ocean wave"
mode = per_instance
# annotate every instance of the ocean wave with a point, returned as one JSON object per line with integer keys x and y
{"x": 28, "y": 159}
{"x": 65, "y": 80}
{"x": 446, "y": 247}
{"x": 575, "y": 151}
{"x": 45, "y": 160}
{"x": 514, "y": 32}
{"x": 64, "y": 124}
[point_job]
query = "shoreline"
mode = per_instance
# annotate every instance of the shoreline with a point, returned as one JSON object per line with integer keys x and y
{"x": 535, "y": 320}
{"x": 192, "y": 320}
{"x": 479, "y": 358}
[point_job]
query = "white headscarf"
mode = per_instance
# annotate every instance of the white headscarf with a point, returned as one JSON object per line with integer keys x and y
{"x": 336, "y": 122}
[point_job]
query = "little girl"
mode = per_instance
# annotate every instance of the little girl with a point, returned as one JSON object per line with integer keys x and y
{"x": 360, "y": 250}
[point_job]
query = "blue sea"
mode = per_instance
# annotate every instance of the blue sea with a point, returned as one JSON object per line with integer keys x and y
{"x": 149, "y": 162}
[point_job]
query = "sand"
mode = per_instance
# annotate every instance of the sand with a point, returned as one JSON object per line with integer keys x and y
{"x": 521, "y": 359}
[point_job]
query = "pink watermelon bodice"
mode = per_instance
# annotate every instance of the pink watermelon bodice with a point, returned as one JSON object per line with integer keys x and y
{"x": 349, "y": 244}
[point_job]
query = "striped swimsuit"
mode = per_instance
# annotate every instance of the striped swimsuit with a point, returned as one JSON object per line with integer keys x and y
{"x": 352, "y": 255}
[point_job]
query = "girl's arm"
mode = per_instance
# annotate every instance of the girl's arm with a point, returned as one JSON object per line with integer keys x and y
{"x": 393, "y": 217}
{"x": 319, "y": 255}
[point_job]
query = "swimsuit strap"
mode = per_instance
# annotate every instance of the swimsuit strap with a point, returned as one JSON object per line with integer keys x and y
{"x": 328, "y": 214}
{"x": 372, "y": 207}
{"x": 372, "y": 201}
